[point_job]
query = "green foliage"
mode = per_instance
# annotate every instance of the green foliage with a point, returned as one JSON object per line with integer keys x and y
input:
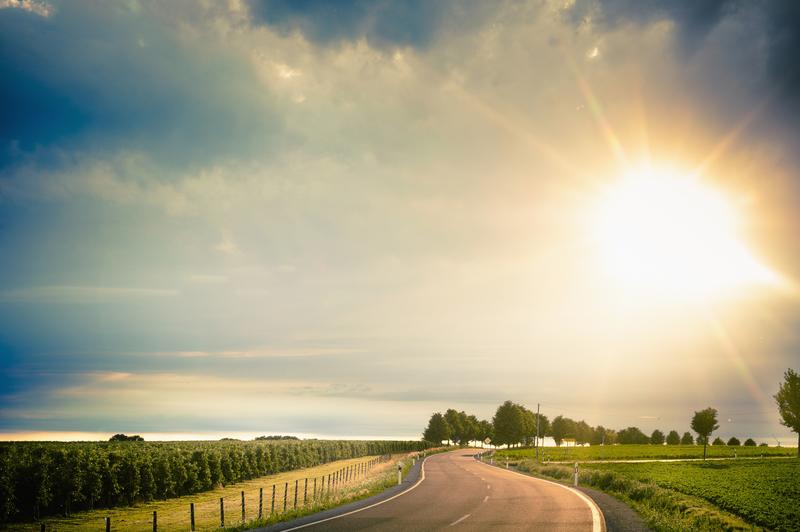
{"x": 734, "y": 442}
{"x": 687, "y": 439}
{"x": 718, "y": 441}
{"x": 673, "y": 438}
{"x": 276, "y": 437}
{"x": 123, "y": 437}
{"x": 632, "y": 435}
{"x": 657, "y": 438}
{"x": 48, "y": 478}
{"x": 509, "y": 424}
{"x": 788, "y": 400}
{"x": 704, "y": 423}
{"x": 645, "y": 451}
{"x": 749, "y": 442}
{"x": 562, "y": 428}
{"x": 761, "y": 492}
{"x": 437, "y": 430}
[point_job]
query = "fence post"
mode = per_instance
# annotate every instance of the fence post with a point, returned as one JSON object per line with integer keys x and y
{"x": 108, "y": 524}
{"x": 285, "y": 494}
{"x": 41, "y": 527}
{"x": 272, "y": 510}
{"x": 221, "y": 513}
{"x": 243, "y": 506}
{"x": 315, "y": 488}
{"x": 295, "y": 492}
{"x": 260, "y": 503}
{"x": 305, "y": 491}
{"x": 155, "y": 521}
{"x": 329, "y": 482}
{"x": 191, "y": 516}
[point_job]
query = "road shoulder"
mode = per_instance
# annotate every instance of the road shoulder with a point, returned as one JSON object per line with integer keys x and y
{"x": 412, "y": 477}
{"x": 619, "y": 516}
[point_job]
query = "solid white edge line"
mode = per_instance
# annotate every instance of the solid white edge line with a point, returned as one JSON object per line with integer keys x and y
{"x": 598, "y": 519}
{"x": 351, "y": 512}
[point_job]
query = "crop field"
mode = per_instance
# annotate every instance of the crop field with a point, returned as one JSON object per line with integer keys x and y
{"x": 721, "y": 495}
{"x": 357, "y": 478}
{"x": 48, "y": 479}
{"x": 642, "y": 452}
{"x": 762, "y": 492}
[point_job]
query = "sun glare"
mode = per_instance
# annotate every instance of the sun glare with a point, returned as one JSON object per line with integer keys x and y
{"x": 664, "y": 234}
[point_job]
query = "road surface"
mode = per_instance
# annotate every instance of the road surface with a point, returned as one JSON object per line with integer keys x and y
{"x": 457, "y": 492}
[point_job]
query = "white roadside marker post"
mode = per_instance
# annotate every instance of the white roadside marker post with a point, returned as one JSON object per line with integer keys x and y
{"x": 399, "y": 474}
{"x": 576, "y": 474}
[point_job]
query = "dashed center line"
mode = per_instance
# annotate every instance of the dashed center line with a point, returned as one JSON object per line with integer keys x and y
{"x": 459, "y": 520}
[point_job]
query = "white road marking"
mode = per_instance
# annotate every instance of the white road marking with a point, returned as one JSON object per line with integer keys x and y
{"x": 598, "y": 519}
{"x": 417, "y": 483}
{"x": 459, "y": 520}
{"x": 488, "y": 486}
{"x": 486, "y": 498}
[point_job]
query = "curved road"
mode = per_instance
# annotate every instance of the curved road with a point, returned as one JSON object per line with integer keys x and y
{"x": 458, "y": 492}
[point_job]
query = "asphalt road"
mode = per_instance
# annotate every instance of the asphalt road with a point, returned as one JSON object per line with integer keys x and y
{"x": 457, "y": 492}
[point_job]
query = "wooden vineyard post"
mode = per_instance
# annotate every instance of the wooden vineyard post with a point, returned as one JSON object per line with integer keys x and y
{"x": 155, "y": 521}
{"x": 191, "y": 516}
{"x": 285, "y": 495}
{"x": 260, "y": 503}
{"x": 243, "y": 506}
{"x": 221, "y": 512}
{"x": 295, "y": 493}
{"x": 108, "y": 524}
{"x": 305, "y": 491}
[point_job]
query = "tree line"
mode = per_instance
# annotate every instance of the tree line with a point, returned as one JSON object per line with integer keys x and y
{"x": 47, "y": 478}
{"x": 514, "y": 424}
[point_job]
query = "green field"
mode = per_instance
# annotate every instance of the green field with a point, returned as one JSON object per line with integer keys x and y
{"x": 633, "y": 452}
{"x": 726, "y": 495}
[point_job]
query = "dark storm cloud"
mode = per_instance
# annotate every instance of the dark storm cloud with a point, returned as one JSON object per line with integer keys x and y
{"x": 99, "y": 78}
{"x": 774, "y": 24}
{"x": 382, "y": 24}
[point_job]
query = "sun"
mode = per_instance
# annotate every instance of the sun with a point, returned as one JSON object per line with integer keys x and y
{"x": 663, "y": 233}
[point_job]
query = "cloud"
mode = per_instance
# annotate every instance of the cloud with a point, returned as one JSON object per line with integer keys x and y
{"x": 94, "y": 78}
{"x": 42, "y": 9}
{"x": 382, "y": 24}
{"x": 81, "y": 294}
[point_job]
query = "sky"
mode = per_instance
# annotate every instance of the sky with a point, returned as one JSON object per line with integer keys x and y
{"x": 335, "y": 218}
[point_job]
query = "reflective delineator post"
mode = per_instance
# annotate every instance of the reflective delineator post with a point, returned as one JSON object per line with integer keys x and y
{"x": 576, "y": 474}
{"x": 399, "y": 474}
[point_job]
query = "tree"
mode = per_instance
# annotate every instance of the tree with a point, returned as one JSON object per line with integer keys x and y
{"x": 509, "y": 424}
{"x": 687, "y": 439}
{"x": 734, "y": 442}
{"x": 657, "y": 438}
{"x": 437, "y": 429}
{"x": 788, "y": 400}
{"x": 704, "y": 423}
{"x": 562, "y": 428}
{"x": 583, "y": 432}
{"x": 486, "y": 430}
{"x": 632, "y": 435}
{"x": 544, "y": 427}
{"x": 718, "y": 441}
{"x": 599, "y": 435}
{"x": 459, "y": 426}
{"x": 123, "y": 437}
{"x": 473, "y": 429}
{"x": 749, "y": 442}
{"x": 673, "y": 438}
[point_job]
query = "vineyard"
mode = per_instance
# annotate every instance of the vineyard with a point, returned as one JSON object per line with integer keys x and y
{"x": 40, "y": 479}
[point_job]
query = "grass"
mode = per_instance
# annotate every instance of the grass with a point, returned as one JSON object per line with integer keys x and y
{"x": 634, "y": 452}
{"x": 673, "y": 496}
{"x": 173, "y": 514}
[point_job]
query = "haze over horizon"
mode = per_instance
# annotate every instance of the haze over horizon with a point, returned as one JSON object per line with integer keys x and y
{"x": 296, "y": 217}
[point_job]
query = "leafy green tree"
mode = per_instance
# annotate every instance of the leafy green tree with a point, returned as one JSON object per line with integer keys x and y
{"x": 583, "y": 432}
{"x": 687, "y": 439}
{"x": 437, "y": 430}
{"x": 718, "y": 441}
{"x": 704, "y": 423}
{"x": 562, "y": 428}
{"x": 544, "y": 427}
{"x": 509, "y": 424}
{"x": 657, "y": 438}
{"x": 763, "y": 444}
{"x": 598, "y": 435}
{"x": 734, "y": 442}
{"x": 486, "y": 430}
{"x": 123, "y": 437}
{"x": 457, "y": 421}
{"x": 673, "y": 438}
{"x": 788, "y": 400}
{"x": 632, "y": 435}
{"x": 749, "y": 442}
